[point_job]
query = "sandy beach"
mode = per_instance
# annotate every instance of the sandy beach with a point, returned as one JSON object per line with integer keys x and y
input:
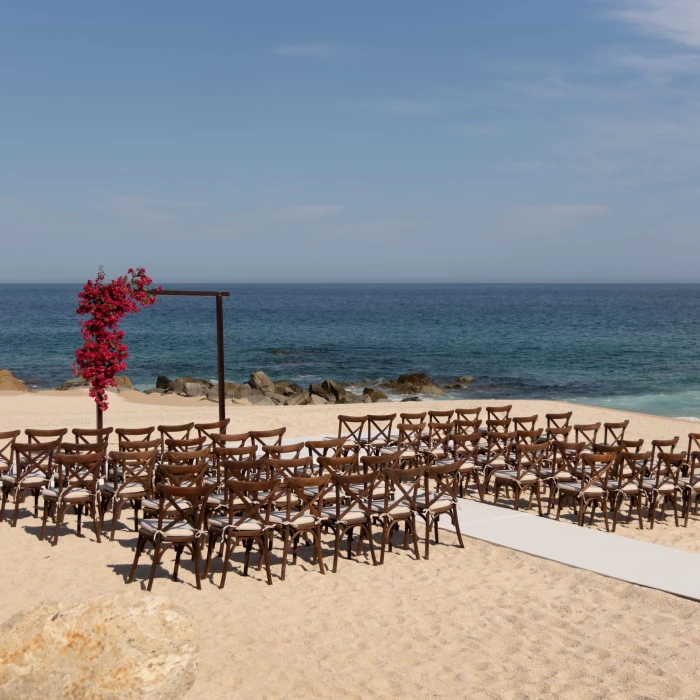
{"x": 480, "y": 622}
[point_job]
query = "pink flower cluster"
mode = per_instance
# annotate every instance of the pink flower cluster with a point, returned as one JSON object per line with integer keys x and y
{"x": 103, "y": 354}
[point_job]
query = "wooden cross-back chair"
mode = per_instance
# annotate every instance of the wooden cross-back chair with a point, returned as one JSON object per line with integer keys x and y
{"x": 466, "y": 427}
{"x": 352, "y": 510}
{"x": 497, "y": 455}
{"x": 663, "y": 485}
{"x": 498, "y": 425}
{"x": 563, "y": 465}
{"x": 242, "y": 467}
{"x": 333, "y": 447}
{"x": 437, "y": 441}
{"x": 526, "y": 423}
{"x": 466, "y": 454}
{"x": 413, "y": 418}
{"x": 626, "y": 484}
{"x": 614, "y": 433}
{"x": 7, "y": 453}
{"x": 468, "y": 413}
{"x": 37, "y": 436}
{"x": 184, "y": 444}
{"x": 660, "y": 446}
{"x": 282, "y": 452}
{"x": 591, "y": 488}
{"x": 352, "y": 428}
{"x": 208, "y": 430}
{"x": 249, "y": 505}
{"x": 632, "y": 445}
{"x": 558, "y": 420}
{"x": 180, "y": 468}
{"x": 125, "y": 435}
{"x": 498, "y": 412}
{"x": 222, "y": 455}
{"x": 693, "y": 446}
{"x": 347, "y": 464}
{"x": 92, "y": 435}
{"x": 690, "y": 486}
{"x": 408, "y": 443}
{"x": 523, "y": 476}
{"x": 553, "y": 434}
{"x": 173, "y": 432}
{"x": 379, "y": 431}
{"x": 378, "y": 464}
{"x": 33, "y": 471}
{"x": 440, "y": 416}
{"x": 77, "y": 486}
{"x": 266, "y": 438}
{"x": 290, "y": 468}
{"x": 232, "y": 439}
{"x": 179, "y": 525}
{"x": 528, "y": 437}
{"x": 81, "y": 448}
{"x": 404, "y": 485}
{"x": 587, "y": 433}
{"x": 439, "y": 497}
{"x": 132, "y": 482}
{"x": 301, "y": 516}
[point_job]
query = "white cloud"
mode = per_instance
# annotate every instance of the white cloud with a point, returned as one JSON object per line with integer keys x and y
{"x": 660, "y": 67}
{"x": 676, "y": 20}
{"x": 549, "y": 219}
{"x": 310, "y": 212}
{"x": 307, "y": 50}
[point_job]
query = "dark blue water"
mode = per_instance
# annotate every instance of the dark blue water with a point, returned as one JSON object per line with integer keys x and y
{"x": 635, "y": 347}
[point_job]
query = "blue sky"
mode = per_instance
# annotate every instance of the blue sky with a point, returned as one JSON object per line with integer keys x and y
{"x": 547, "y": 140}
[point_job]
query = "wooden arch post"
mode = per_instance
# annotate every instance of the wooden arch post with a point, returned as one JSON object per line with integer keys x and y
{"x": 219, "y": 339}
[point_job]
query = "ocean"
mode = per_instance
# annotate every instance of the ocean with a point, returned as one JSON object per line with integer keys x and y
{"x": 633, "y": 347}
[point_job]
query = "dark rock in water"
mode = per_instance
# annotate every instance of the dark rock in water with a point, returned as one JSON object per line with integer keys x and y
{"x": 416, "y": 383}
{"x": 375, "y": 394}
{"x": 318, "y": 390}
{"x": 162, "y": 382}
{"x": 259, "y": 380}
{"x": 292, "y": 362}
{"x": 335, "y": 391}
{"x": 411, "y": 398}
{"x": 76, "y": 383}
{"x": 465, "y": 380}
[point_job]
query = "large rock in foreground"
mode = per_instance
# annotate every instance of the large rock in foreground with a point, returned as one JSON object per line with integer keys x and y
{"x": 417, "y": 383}
{"x": 259, "y": 380}
{"x": 8, "y": 382}
{"x": 129, "y": 645}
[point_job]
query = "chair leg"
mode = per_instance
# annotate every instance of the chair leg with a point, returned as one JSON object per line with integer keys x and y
{"x": 675, "y": 507}
{"x": 415, "y": 536}
{"x": 604, "y": 508}
{"x": 43, "y": 521}
{"x": 248, "y": 547}
{"x": 196, "y": 546}
{"x": 16, "y": 512}
{"x": 581, "y": 512}
{"x": 116, "y": 512}
{"x": 210, "y": 549}
{"x": 79, "y": 531}
{"x": 228, "y": 539}
{"x": 178, "y": 554}
{"x": 639, "y": 511}
{"x": 285, "y": 553}
{"x": 319, "y": 552}
{"x": 455, "y": 521}
{"x": 427, "y": 535}
{"x": 139, "y": 548}
{"x": 384, "y": 534}
{"x": 336, "y": 551}
{"x": 616, "y": 509}
{"x": 371, "y": 543}
{"x": 60, "y": 512}
{"x": 156, "y": 558}
{"x": 97, "y": 528}
{"x": 652, "y": 511}
{"x": 539, "y": 499}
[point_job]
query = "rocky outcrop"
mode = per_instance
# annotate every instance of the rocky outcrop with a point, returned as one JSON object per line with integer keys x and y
{"x": 8, "y": 382}
{"x": 320, "y": 391}
{"x": 316, "y": 400}
{"x": 162, "y": 382}
{"x": 123, "y": 382}
{"x": 411, "y": 398}
{"x": 300, "y": 399}
{"x": 128, "y": 645}
{"x": 245, "y": 391}
{"x": 460, "y": 383}
{"x": 77, "y": 383}
{"x": 178, "y": 386}
{"x": 195, "y": 389}
{"x": 259, "y": 380}
{"x": 416, "y": 383}
{"x": 375, "y": 394}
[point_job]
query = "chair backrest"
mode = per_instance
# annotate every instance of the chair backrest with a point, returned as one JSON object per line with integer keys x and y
{"x": 603, "y": 448}
{"x": 339, "y": 465}
{"x": 528, "y": 437}
{"x": 284, "y": 451}
{"x": 587, "y": 433}
{"x": 596, "y": 470}
{"x": 351, "y": 428}
{"x": 325, "y": 448}
{"x": 184, "y": 467}
{"x": 558, "y": 433}
{"x": 405, "y": 484}
{"x": 660, "y": 446}
{"x": 440, "y": 416}
{"x": 466, "y": 447}
{"x": 498, "y": 425}
{"x": 135, "y": 468}
{"x": 78, "y": 471}
{"x": 441, "y": 481}
{"x": 525, "y": 423}
{"x": 305, "y": 496}
{"x": 558, "y": 420}
{"x": 139, "y": 445}
{"x": 35, "y": 457}
{"x": 632, "y": 445}
{"x": 7, "y": 441}
{"x": 182, "y": 504}
{"x": 288, "y": 468}
{"x": 379, "y": 463}
{"x": 465, "y": 427}
{"x": 244, "y": 470}
{"x": 528, "y": 459}
{"x": 37, "y": 436}
{"x": 468, "y": 413}
{"x": 667, "y": 468}
{"x": 498, "y": 412}
{"x": 354, "y": 493}
{"x": 92, "y": 435}
{"x": 235, "y": 454}
{"x": 251, "y": 501}
{"x": 231, "y": 439}
{"x": 614, "y": 433}
{"x": 631, "y": 468}
{"x": 184, "y": 444}
{"x": 693, "y": 443}
{"x": 82, "y": 448}
{"x": 207, "y": 430}
{"x": 379, "y": 428}
{"x": 439, "y": 436}
{"x": 266, "y": 437}
{"x": 499, "y": 445}
{"x": 174, "y": 432}
{"x": 412, "y": 418}
{"x": 410, "y": 436}
{"x": 566, "y": 456}
{"x": 134, "y": 434}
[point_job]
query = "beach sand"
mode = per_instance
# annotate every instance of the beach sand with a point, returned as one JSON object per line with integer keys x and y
{"x": 482, "y": 622}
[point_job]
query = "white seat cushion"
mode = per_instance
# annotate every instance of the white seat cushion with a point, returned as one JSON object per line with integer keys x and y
{"x": 303, "y": 521}
{"x": 398, "y": 512}
{"x": 512, "y": 475}
{"x": 180, "y": 532}
{"x": 73, "y": 496}
{"x": 132, "y": 490}
{"x": 34, "y": 479}
{"x": 354, "y": 515}
{"x": 248, "y": 526}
